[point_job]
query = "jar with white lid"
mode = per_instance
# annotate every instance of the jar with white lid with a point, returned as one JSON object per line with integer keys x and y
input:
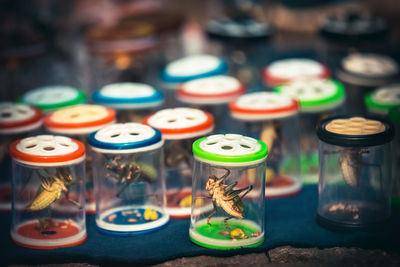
{"x": 228, "y": 192}
{"x": 129, "y": 179}
{"x": 53, "y": 97}
{"x": 319, "y": 98}
{"x": 16, "y": 121}
{"x": 382, "y": 99}
{"x": 180, "y": 127}
{"x": 186, "y": 69}
{"x": 273, "y": 118}
{"x": 355, "y": 176}
{"x": 48, "y": 206}
{"x": 132, "y": 101}
{"x": 212, "y": 94}
{"x": 363, "y": 72}
{"x": 78, "y": 122}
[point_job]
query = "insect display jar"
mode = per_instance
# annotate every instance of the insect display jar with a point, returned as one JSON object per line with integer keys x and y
{"x": 129, "y": 179}
{"x": 394, "y": 116}
{"x": 355, "y": 177}
{"x": 291, "y": 69}
{"x": 213, "y": 95}
{"x": 132, "y": 101}
{"x": 227, "y": 169}
{"x": 48, "y": 206}
{"x": 186, "y": 69}
{"x": 319, "y": 98}
{"x": 78, "y": 122}
{"x": 180, "y": 127}
{"x": 16, "y": 121}
{"x": 363, "y": 72}
{"x": 51, "y": 98}
{"x": 273, "y": 118}
{"x": 382, "y": 99}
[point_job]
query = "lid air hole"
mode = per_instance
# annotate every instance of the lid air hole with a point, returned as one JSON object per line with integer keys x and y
{"x": 115, "y": 135}
{"x": 300, "y": 91}
{"x": 31, "y": 146}
{"x": 212, "y": 143}
{"x": 134, "y": 134}
{"x": 75, "y": 115}
{"x": 171, "y": 120}
{"x": 318, "y": 90}
{"x": 244, "y": 145}
{"x": 227, "y": 147}
{"x": 6, "y": 114}
{"x": 63, "y": 144}
{"x": 48, "y": 148}
{"x": 190, "y": 118}
{"x": 22, "y": 111}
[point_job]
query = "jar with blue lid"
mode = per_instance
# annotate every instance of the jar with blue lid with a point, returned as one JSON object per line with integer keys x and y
{"x": 129, "y": 180}
{"x": 132, "y": 101}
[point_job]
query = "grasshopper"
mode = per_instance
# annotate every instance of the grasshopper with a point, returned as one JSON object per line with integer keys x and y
{"x": 225, "y": 197}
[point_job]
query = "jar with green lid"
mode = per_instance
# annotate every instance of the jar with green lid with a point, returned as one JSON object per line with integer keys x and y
{"x": 382, "y": 99}
{"x": 318, "y": 99}
{"x": 228, "y": 190}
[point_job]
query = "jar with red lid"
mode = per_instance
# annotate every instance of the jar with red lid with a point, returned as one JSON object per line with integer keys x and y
{"x": 78, "y": 122}
{"x": 48, "y": 206}
{"x": 180, "y": 127}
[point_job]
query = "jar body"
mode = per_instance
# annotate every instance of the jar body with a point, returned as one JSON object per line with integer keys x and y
{"x": 244, "y": 228}
{"x": 130, "y": 192}
{"x": 48, "y": 206}
{"x": 354, "y": 185}
{"x": 395, "y": 167}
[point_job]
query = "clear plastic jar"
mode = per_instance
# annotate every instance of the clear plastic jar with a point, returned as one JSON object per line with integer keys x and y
{"x": 362, "y": 73}
{"x": 355, "y": 177}
{"x": 78, "y": 122}
{"x": 16, "y": 121}
{"x": 186, "y": 69}
{"x": 51, "y": 98}
{"x": 318, "y": 99}
{"x": 48, "y": 206}
{"x": 394, "y": 116}
{"x": 129, "y": 179}
{"x": 180, "y": 127}
{"x": 228, "y": 192}
{"x": 213, "y": 95}
{"x": 132, "y": 101}
{"x": 291, "y": 69}
{"x": 382, "y": 99}
{"x": 272, "y": 118}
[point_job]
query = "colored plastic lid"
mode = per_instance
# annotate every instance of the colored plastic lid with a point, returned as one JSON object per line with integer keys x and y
{"x": 383, "y": 98}
{"x": 230, "y": 150}
{"x": 48, "y": 150}
{"x": 181, "y": 123}
{"x": 226, "y": 27}
{"x": 370, "y": 65}
{"x": 288, "y": 70}
{"x": 394, "y": 114}
{"x": 17, "y": 118}
{"x": 128, "y": 96}
{"x": 54, "y": 97}
{"x": 193, "y": 67}
{"x": 315, "y": 95}
{"x": 211, "y": 90}
{"x": 126, "y": 138}
{"x": 80, "y": 119}
{"x": 263, "y": 106}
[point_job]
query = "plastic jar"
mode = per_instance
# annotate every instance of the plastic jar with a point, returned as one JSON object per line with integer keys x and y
{"x": 48, "y": 209}
{"x": 129, "y": 179}
{"x": 180, "y": 127}
{"x": 355, "y": 177}
{"x": 16, "y": 121}
{"x": 132, "y": 101}
{"x": 394, "y": 116}
{"x": 228, "y": 192}
{"x": 213, "y": 95}
{"x": 381, "y": 100}
{"x": 78, "y": 122}
{"x": 50, "y": 98}
{"x": 318, "y": 99}
{"x": 273, "y": 118}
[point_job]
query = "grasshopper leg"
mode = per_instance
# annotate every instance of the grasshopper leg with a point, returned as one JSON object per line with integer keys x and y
{"x": 211, "y": 214}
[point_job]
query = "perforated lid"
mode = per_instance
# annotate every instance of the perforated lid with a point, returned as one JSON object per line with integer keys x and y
{"x": 128, "y": 96}
{"x": 17, "y": 118}
{"x": 230, "y": 150}
{"x": 263, "y": 106}
{"x": 287, "y": 70}
{"x": 54, "y": 97}
{"x": 370, "y": 65}
{"x": 211, "y": 90}
{"x": 315, "y": 95}
{"x": 126, "y": 138}
{"x": 181, "y": 123}
{"x": 80, "y": 119}
{"x": 48, "y": 150}
{"x": 383, "y": 98}
{"x": 193, "y": 67}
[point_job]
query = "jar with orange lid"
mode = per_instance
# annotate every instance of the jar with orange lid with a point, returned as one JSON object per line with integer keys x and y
{"x": 48, "y": 206}
{"x": 355, "y": 173}
{"x": 78, "y": 122}
{"x": 180, "y": 127}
